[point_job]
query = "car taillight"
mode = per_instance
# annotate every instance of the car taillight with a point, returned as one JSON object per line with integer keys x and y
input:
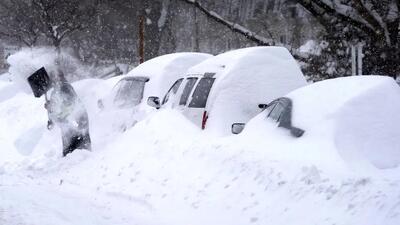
{"x": 204, "y": 120}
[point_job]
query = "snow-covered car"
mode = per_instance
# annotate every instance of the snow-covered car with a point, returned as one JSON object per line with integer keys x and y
{"x": 358, "y": 116}
{"x": 152, "y": 78}
{"x": 226, "y": 88}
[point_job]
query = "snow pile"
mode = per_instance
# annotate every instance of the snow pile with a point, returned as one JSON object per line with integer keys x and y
{"x": 151, "y": 175}
{"x": 23, "y": 120}
{"x": 28, "y": 60}
{"x": 352, "y": 119}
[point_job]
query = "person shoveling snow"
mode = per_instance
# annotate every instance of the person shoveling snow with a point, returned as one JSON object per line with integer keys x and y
{"x": 64, "y": 109}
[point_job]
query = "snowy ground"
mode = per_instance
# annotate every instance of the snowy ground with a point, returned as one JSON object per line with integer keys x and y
{"x": 165, "y": 170}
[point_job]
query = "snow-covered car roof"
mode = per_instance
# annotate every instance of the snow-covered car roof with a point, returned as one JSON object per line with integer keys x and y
{"x": 326, "y": 99}
{"x": 160, "y": 64}
{"x": 164, "y": 70}
{"x": 244, "y": 59}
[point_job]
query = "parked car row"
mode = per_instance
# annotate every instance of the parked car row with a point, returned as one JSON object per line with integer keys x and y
{"x": 207, "y": 90}
{"x": 152, "y": 78}
{"x": 225, "y": 88}
{"x": 223, "y": 93}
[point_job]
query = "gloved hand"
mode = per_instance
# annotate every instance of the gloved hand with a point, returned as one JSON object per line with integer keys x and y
{"x": 50, "y": 125}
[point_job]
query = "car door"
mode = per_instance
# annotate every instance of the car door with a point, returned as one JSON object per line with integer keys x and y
{"x": 183, "y": 96}
{"x": 196, "y": 106}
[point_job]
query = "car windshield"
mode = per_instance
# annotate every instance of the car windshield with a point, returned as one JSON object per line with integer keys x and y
{"x": 186, "y": 91}
{"x": 276, "y": 111}
{"x": 129, "y": 92}
{"x": 172, "y": 90}
{"x": 200, "y": 94}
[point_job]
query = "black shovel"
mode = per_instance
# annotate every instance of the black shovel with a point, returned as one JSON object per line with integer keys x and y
{"x": 39, "y": 82}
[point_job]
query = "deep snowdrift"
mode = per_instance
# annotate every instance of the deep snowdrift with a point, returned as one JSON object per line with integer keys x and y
{"x": 184, "y": 176}
{"x": 165, "y": 170}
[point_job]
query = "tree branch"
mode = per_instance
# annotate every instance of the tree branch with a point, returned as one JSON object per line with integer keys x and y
{"x": 230, "y": 25}
{"x": 322, "y": 10}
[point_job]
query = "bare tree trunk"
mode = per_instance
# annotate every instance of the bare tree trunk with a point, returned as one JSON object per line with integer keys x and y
{"x": 196, "y": 32}
{"x": 141, "y": 39}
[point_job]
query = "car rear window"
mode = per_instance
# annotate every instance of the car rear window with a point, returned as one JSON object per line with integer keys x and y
{"x": 200, "y": 94}
{"x": 186, "y": 91}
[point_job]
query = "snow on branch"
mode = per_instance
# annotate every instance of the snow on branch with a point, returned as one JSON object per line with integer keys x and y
{"x": 262, "y": 41}
{"x": 325, "y": 10}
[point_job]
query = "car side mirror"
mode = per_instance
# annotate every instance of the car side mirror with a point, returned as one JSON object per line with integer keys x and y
{"x": 237, "y": 128}
{"x": 154, "y": 102}
{"x": 296, "y": 132}
{"x": 262, "y": 106}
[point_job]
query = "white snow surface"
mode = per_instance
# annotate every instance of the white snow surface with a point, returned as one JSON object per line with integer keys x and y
{"x": 165, "y": 171}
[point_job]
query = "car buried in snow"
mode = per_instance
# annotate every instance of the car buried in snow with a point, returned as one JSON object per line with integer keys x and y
{"x": 225, "y": 88}
{"x": 357, "y": 116}
{"x": 152, "y": 78}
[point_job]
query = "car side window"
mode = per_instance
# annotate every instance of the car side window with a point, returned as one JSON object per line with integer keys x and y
{"x": 174, "y": 88}
{"x": 200, "y": 94}
{"x": 186, "y": 91}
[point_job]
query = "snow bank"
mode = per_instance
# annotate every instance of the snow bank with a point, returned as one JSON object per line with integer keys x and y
{"x": 28, "y": 60}
{"x": 207, "y": 180}
{"x": 22, "y": 121}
